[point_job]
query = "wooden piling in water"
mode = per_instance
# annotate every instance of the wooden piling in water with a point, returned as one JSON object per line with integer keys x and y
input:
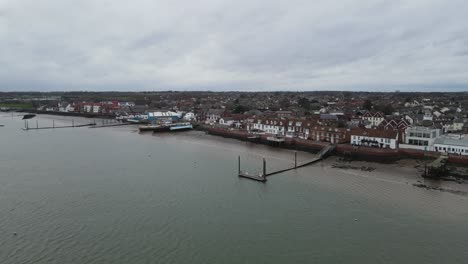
{"x": 295, "y": 159}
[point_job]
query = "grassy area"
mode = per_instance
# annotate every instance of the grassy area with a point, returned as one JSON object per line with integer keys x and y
{"x": 24, "y": 105}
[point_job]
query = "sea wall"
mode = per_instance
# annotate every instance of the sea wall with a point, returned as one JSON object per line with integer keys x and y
{"x": 344, "y": 150}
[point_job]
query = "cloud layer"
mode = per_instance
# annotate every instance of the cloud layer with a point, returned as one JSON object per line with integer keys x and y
{"x": 233, "y": 45}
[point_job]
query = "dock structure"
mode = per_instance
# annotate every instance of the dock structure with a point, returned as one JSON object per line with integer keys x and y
{"x": 262, "y": 177}
{"x": 437, "y": 168}
{"x": 37, "y": 127}
{"x": 113, "y": 125}
{"x": 275, "y": 140}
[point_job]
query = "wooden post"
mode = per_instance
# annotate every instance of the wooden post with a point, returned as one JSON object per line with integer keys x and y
{"x": 264, "y": 167}
{"x": 53, "y": 123}
{"x": 37, "y": 124}
{"x": 238, "y": 164}
{"x": 73, "y": 123}
{"x": 295, "y": 159}
{"x": 27, "y": 124}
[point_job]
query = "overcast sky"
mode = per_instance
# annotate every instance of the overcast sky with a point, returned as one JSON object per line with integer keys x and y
{"x": 233, "y": 45}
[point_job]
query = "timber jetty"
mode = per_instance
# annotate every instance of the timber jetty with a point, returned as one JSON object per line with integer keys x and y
{"x": 262, "y": 177}
{"x": 37, "y": 127}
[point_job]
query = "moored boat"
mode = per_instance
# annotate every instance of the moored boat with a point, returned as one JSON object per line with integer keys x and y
{"x": 179, "y": 127}
{"x": 28, "y": 116}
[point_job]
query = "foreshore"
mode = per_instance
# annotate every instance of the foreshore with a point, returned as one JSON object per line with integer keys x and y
{"x": 346, "y": 151}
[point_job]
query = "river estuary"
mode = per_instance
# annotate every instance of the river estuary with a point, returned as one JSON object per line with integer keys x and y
{"x": 112, "y": 195}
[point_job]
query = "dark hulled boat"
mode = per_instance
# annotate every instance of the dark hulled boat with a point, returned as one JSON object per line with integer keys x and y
{"x": 28, "y": 116}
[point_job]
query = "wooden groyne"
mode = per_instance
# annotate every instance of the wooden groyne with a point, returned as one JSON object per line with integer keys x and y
{"x": 262, "y": 177}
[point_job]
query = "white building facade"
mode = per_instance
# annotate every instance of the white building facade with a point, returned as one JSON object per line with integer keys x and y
{"x": 374, "y": 138}
{"x": 422, "y": 138}
{"x": 452, "y": 146}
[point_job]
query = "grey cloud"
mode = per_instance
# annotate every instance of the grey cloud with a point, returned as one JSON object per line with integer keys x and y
{"x": 235, "y": 45}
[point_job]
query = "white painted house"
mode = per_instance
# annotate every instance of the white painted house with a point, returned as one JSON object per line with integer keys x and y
{"x": 189, "y": 116}
{"x": 374, "y": 138}
{"x": 271, "y": 126}
{"x": 69, "y": 108}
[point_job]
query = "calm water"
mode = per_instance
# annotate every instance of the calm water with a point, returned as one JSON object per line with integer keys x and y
{"x": 112, "y": 195}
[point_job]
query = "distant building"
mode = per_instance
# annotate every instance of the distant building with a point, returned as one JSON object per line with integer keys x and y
{"x": 395, "y": 124}
{"x": 374, "y": 118}
{"x": 213, "y": 116}
{"x": 283, "y": 113}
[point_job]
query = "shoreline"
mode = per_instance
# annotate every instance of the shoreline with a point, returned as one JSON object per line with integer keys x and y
{"x": 346, "y": 152}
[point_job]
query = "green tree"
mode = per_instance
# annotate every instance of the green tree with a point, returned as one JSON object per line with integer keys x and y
{"x": 240, "y": 109}
{"x": 284, "y": 103}
{"x": 304, "y": 103}
{"x": 367, "y": 105}
{"x": 388, "y": 109}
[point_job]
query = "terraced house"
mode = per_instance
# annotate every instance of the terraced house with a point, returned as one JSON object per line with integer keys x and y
{"x": 274, "y": 126}
{"x": 374, "y": 119}
{"x": 330, "y": 134}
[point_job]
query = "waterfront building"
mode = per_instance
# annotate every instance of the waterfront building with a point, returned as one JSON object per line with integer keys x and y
{"x": 230, "y": 122}
{"x": 274, "y": 126}
{"x": 189, "y": 116}
{"x": 419, "y": 137}
{"x": 452, "y": 145}
{"x": 374, "y": 138}
{"x": 168, "y": 116}
{"x": 333, "y": 135}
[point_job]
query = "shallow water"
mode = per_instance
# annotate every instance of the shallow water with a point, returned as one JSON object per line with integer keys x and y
{"x": 112, "y": 195}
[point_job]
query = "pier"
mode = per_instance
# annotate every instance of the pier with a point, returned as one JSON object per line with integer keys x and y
{"x": 262, "y": 177}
